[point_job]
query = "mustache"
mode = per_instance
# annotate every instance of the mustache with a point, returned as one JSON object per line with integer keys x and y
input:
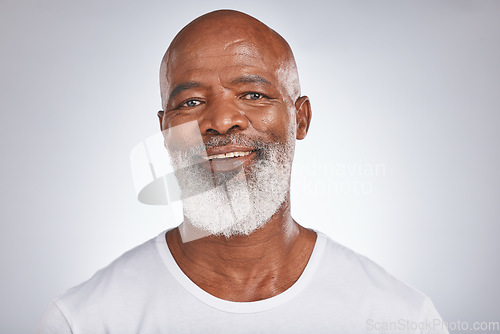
{"x": 234, "y": 139}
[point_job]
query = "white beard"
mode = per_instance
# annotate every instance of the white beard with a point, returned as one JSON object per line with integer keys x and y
{"x": 244, "y": 200}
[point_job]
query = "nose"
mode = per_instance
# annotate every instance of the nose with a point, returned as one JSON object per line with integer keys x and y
{"x": 221, "y": 117}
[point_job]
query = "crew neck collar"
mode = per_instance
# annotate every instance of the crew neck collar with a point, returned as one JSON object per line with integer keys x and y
{"x": 241, "y": 307}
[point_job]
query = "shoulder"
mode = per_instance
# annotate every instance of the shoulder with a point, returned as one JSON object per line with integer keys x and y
{"x": 131, "y": 276}
{"x": 125, "y": 267}
{"x": 360, "y": 281}
{"x": 53, "y": 321}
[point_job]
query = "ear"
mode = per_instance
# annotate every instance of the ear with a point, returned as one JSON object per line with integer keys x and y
{"x": 160, "y": 116}
{"x": 303, "y": 116}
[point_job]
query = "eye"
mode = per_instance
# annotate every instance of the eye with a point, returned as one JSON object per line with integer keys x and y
{"x": 190, "y": 103}
{"x": 253, "y": 96}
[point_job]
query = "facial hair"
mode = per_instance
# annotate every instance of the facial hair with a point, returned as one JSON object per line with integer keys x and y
{"x": 240, "y": 201}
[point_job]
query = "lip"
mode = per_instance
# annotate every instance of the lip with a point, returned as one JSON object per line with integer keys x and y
{"x": 227, "y": 149}
{"x": 227, "y": 164}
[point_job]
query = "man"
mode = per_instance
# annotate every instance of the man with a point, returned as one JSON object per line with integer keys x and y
{"x": 232, "y": 111}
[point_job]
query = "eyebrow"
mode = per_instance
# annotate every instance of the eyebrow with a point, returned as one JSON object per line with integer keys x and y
{"x": 182, "y": 87}
{"x": 250, "y": 78}
{"x": 247, "y": 78}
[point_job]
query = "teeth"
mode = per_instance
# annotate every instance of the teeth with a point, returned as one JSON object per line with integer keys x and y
{"x": 227, "y": 155}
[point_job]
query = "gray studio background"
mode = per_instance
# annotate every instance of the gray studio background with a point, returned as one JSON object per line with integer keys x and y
{"x": 401, "y": 161}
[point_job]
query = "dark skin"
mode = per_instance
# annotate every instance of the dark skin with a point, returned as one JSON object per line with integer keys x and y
{"x": 232, "y": 74}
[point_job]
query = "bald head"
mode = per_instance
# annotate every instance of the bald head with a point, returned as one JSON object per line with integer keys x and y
{"x": 232, "y": 110}
{"x": 226, "y": 32}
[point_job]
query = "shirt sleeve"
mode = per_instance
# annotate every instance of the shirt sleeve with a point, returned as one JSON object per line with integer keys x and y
{"x": 53, "y": 322}
{"x": 431, "y": 322}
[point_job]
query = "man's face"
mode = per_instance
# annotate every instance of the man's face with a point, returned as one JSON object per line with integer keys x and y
{"x": 227, "y": 87}
{"x": 235, "y": 91}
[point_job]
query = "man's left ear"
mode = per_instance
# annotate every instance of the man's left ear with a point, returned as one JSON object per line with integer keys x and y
{"x": 303, "y": 116}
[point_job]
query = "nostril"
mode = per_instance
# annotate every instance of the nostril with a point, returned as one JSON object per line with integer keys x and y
{"x": 212, "y": 132}
{"x": 233, "y": 127}
{"x": 221, "y": 121}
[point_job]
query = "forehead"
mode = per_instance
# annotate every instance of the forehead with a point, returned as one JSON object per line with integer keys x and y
{"x": 221, "y": 55}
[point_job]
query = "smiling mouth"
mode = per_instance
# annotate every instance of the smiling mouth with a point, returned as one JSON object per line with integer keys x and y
{"x": 235, "y": 154}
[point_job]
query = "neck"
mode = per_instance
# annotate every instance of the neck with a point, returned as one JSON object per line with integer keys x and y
{"x": 247, "y": 268}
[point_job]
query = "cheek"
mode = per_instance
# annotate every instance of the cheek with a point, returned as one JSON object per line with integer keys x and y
{"x": 180, "y": 135}
{"x": 176, "y": 119}
{"x": 272, "y": 122}
{"x": 270, "y": 119}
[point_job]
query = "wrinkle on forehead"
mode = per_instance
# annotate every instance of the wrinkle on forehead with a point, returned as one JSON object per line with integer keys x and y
{"x": 234, "y": 33}
{"x": 243, "y": 47}
{"x": 228, "y": 44}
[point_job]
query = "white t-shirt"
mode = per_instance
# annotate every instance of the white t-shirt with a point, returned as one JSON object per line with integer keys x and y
{"x": 144, "y": 291}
